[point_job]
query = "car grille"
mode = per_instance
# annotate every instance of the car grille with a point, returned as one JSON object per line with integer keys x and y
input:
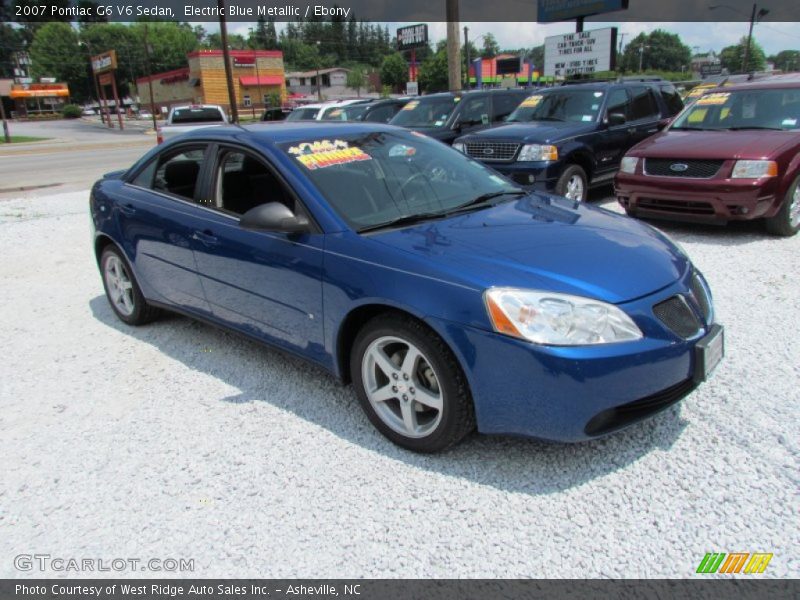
{"x": 620, "y": 416}
{"x": 684, "y": 207}
{"x": 701, "y": 297}
{"x": 670, "y": 167}
{"x": 676, "y": 314}
{"x": 492, "y": 151}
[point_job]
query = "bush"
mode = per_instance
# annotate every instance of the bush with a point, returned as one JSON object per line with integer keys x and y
{"x": 72, "y": 111}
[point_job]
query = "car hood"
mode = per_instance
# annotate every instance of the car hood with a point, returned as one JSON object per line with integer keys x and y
{"x": 547, "y": 243}
{"x": 533, "y": 131}
{"x": 744, "y": 144}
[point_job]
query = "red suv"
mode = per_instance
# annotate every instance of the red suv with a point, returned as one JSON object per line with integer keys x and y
{"x": 732, "y": 155}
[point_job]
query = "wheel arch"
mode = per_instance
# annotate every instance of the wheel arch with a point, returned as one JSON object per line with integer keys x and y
{"x": 355, "y": 320}
{"x": 583, "y": 159}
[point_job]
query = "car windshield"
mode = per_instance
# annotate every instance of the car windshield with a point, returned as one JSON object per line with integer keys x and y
{"x": 378, "y": 178}
{"x": 777, "y": 109}
{"x": 561, "y": 105}
{"x": 302, "y": 114}
{"x": 196, "y": 115}
{"x": 432, "y": 112}
{"x": 346, "y": 113}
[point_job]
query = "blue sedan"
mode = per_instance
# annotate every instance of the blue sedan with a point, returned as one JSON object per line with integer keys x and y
{"x": 449, "y": 297}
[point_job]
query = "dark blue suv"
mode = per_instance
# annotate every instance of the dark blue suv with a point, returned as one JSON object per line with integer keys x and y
{"x": 568, "y": 138}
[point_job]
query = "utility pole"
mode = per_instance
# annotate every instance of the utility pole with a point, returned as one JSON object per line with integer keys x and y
{"x": 453, "y": 51}
{"x": 466, "y": 53}
{"x": 226, "y": 57}
{"x": 6, "y": 134}
{"x": 754, "y": 17}
{"x": 641, "y": 55}
{"x": 150, "y": 78}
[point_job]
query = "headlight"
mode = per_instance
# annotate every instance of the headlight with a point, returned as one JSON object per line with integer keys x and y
{"x": 459, "y": 146}
{"x": 628, "y": 164}
{"x": 557, "y": 319}
{"x": 538, "y": 152}
{"x": 753, "y": 169}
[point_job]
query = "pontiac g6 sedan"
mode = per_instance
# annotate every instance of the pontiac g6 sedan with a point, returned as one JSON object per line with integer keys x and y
{"x": 449, "y": 297}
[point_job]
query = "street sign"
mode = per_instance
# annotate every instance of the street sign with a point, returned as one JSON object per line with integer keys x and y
{"x": 412, "y": 36}
{"x": 710, "y": 69}
{"x": 580, "y": 53}
{"x": 412, "y": 88}
{"x": 107, "y": 61}
{"x": 549, "y": 11}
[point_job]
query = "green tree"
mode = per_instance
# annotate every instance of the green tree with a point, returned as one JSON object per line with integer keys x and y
{"x": 100, "y": 37}
{"x": 433, "y": 76}
{"x": 786, "y": 60}
{"x": 357, "y": 79}
{"x": 170, "y": 43}
{"x": 394, "y": 71}
{"x": 732, "y": 57}
{"x": 55, "y": 53}
{"x": 490, "y": 46}
{"x": 657, "y": 51}
{"x": 10, "y": 42}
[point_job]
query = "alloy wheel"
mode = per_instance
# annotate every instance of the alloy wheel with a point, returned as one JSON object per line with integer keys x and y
{"x": 574, "y": 188}
{"x": 120, "y": 287}
{"x": 402, "y": 386}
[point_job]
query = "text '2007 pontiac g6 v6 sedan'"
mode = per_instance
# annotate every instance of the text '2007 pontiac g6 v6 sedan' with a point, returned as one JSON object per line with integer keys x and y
{"x": 449, "y": 297}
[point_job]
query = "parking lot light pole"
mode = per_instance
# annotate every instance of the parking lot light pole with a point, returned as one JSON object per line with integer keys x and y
{"x": 755, "y": 15}
{"x": 150, "y": 79}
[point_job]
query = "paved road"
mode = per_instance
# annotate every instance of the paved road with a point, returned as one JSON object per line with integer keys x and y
{"x": 78, "y": 153}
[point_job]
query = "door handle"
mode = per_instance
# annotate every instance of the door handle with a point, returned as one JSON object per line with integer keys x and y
{"x": 205, "y": 237}
{"x": 127, "y": 209}
{"x": 631, "y": 129}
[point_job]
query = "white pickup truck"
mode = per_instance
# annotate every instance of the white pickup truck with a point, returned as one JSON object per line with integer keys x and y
{"x": 182, "y": 119}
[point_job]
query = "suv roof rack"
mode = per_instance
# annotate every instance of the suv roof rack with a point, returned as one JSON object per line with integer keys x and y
{"x": 587, "y": 80}
{"x": 642, "y": 78}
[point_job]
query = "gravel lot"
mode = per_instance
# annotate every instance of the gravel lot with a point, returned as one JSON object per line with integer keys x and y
{"x": 178, "y": 440}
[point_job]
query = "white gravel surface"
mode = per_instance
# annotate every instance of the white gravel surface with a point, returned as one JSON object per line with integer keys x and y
{"x": 177, "y": 440}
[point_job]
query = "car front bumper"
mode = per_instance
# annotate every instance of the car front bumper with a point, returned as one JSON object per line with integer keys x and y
{"x": 713, "y": 200}
{"x": 538, "y": 175}
{"x": 578, "y": 393}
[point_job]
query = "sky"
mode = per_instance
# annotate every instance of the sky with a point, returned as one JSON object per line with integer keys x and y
{"x": 701, "y": 37}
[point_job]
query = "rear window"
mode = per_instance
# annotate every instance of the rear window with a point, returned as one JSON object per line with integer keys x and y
{"x": 196, "y": 115}
{"x": 303, "y": 114}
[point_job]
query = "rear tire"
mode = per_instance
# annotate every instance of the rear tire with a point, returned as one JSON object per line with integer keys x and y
{"x": 122, "y": 290}
{"x": 410, "y": 385}
{"x": 573, "y": 184}
{"x": 786, "y": 221}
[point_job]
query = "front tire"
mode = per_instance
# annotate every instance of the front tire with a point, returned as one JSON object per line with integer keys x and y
{"x": 409, "y": 384}
{"x": 122, "y": 290}
{"x": 786, "y": 221}
{"x": 573, "y": 184}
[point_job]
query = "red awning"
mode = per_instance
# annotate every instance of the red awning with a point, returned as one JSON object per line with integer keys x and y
{"x": 261, "y": 80}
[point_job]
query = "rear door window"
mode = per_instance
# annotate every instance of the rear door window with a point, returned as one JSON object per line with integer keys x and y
{"x": 178, "y": 172}
{"x": 643, "y": 104}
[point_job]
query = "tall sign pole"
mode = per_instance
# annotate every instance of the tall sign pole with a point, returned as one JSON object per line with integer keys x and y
{"x": 226, "y": 57}
{"x": 150, "y": 79}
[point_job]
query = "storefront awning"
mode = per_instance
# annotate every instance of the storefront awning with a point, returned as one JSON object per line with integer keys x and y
{"x": 261, "y": 80}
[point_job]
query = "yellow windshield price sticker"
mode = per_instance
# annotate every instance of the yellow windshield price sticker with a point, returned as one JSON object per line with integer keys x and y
{"x": 411, "y": 105}
{"x": 714, "y": 99}
{"x": 326, "y": 153}
{"x": 532, "y": 101}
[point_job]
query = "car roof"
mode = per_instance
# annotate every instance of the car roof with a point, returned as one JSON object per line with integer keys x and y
{"x": 467, "y": 93}
{"x": 287, "y": 131}
{"x": 772, "y": 83}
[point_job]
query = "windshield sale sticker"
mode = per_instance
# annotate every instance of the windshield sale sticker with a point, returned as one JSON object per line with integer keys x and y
{"x": 326, "y": 153}
{"x": 531, "y": 101}
{"x": 713, "y": 99}
{"x": 411, "y": 105}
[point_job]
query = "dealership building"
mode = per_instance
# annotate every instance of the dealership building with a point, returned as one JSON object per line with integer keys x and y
{"x": 258, "y": 75}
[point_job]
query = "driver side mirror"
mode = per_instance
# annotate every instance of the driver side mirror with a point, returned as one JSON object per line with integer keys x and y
{"x": 615, "y": 118}
{"x": 274, "y": 216}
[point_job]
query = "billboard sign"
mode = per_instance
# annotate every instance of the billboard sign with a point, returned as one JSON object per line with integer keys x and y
{"x": 549, "y": 11}
{"x": 710, "y": 69}
{"x": 412, "y": 36}
{"x": 508, "y": 66}
{"x": 581, "y": 53}
{"x": 102, "y": 63}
